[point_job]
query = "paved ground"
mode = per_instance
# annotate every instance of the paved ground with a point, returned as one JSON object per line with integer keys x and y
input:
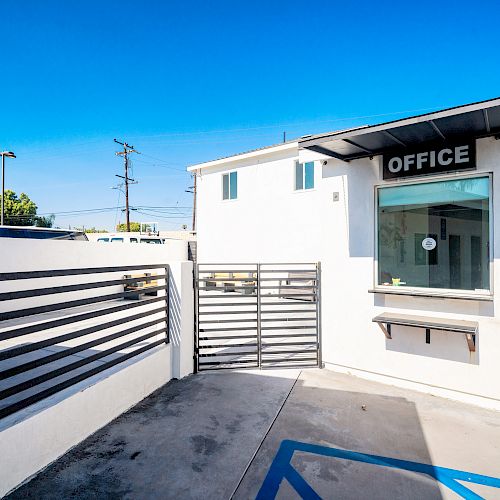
{"x": 195, "y": 438}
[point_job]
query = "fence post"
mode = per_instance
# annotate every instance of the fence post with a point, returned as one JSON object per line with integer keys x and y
{"x": 167, "y": 303}
{"x": 196, "y": 283}
{"x": 259, "y": 340}
{"x": 318, "y": 313}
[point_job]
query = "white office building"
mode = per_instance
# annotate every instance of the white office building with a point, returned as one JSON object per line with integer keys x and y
{"x": 405, "y": 219}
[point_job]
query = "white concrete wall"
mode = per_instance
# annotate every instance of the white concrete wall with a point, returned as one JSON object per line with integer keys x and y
{"x": 35, "y": 436}
{"x": 269, "y": 222}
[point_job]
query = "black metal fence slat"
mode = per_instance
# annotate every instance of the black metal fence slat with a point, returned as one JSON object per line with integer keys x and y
{"x": 227, "y": 346}
{"x": 218, "y": 363}
{"x": 288, "y": 360}
{"x": 72, "y": 303}
{"x": 19, "y": 405}
{"x": 38, "y": 292}
{"x": 285, "y": 287}
{"x": 281, "y": 344}
{"x": 73, "y": 272}
{"x": 296, "y": 302}
{"x": 226, "y": 337}
{"x": 222, "y": 354}
{"x": 276, "y": 320}
{"x": 289, "y": 327}
{"x": 236, "y": 320}
{"x": 224, "y": 295}
{"x": 289, "y": 335}
{"x": 232, "y": 329}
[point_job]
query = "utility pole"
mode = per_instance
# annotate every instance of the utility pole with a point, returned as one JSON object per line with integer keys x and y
{"x": 127, "y": 149}
{"x": 8, "y": 154}
{"x": 194, "y": 202}
{"x": 192, "y": 190}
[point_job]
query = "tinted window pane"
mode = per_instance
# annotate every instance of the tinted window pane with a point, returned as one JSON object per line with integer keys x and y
{"x": 233, "y": 188}
{"x": 151, "y": 241}
{"x": 225, "y": 187}
{"x": 299, "y": 178}
{"x": 435, "y": 235}
{"x": 309, "y": 175}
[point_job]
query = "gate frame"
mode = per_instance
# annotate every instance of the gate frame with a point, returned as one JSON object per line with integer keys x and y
{"x": 318, "y": 309}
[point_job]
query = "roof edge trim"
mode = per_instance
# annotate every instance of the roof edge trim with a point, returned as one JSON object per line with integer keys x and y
{"x": 244, "y": 156}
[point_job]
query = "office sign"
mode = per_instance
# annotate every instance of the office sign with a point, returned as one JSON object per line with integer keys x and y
{"x": 429, "y": 159}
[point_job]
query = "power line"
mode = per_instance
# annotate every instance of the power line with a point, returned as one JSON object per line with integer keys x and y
{"x": 298, "y": 124}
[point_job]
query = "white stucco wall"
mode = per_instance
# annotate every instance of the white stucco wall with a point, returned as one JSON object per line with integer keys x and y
{"x": 269, "y": 222}
{"x": 33, "y": 437}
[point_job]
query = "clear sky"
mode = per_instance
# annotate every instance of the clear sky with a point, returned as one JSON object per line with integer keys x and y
{"x": 189, "y": 81}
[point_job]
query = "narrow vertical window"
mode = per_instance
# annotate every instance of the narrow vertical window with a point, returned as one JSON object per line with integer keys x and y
{"x": 233, "y": 185}
{"x": 299, "y": 178}
{"x": 304, "y": 175}
{"x": 309, "y": 175}
{"x": 230, "y": 186}
{"x": 225, "y": 187}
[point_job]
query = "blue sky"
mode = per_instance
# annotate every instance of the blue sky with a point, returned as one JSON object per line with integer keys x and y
{"x": 186, "y": 82}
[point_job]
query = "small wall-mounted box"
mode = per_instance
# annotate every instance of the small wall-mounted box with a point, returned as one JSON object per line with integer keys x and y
{"x": 335, "y": 196}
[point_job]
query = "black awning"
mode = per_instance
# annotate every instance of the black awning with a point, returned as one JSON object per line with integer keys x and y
{"x": 475, "y": 120}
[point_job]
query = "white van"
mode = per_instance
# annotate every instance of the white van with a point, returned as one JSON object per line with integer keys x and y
{"x": 129, "y": 238}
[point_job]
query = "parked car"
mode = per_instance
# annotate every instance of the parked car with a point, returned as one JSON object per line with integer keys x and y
{"x": 127, "y": 238}
{"x": 41, "y": 233}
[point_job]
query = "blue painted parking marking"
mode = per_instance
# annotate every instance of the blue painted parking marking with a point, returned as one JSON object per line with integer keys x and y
{"x": 281, "y": 468}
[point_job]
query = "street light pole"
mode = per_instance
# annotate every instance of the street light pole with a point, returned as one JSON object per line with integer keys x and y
{"x": 9, "y": 154}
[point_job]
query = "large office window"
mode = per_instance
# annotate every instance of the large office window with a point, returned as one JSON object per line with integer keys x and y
{"x": 230, "y": 186}
{"x": 435, "y": 234}
{"x": 304, "y": 175}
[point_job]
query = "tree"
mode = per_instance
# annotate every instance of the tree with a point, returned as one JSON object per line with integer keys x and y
{"x": 47, "y": 221}
{"x": 92, "y": 230}
{"x": 21, "y": 211}
{"x": 135, "y": 227}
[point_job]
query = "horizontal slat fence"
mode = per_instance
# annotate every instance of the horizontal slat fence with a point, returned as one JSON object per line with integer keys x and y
{"x": 54, "y": 335}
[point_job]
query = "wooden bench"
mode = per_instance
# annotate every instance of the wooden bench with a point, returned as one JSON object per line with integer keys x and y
{"x": 469, "y": 328}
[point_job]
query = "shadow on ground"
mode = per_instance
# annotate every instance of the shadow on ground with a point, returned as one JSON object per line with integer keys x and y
{"x": 194, "y": 438}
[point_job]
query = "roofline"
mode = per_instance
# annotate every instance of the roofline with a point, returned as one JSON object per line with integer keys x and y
{"x": 434, "y": 115}
{"x": 244, "y": 156}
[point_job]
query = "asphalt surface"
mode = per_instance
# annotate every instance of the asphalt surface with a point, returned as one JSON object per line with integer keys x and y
{"x": 214, "y": 434}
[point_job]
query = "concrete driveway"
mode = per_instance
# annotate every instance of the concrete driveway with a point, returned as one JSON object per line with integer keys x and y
{"x": 282, "y": 434}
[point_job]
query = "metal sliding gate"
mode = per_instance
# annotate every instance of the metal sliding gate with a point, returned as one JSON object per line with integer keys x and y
{"x": 257, "y": 316}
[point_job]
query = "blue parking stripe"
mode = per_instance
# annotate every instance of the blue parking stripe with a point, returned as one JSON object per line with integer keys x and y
{"x": 281, "y": 468}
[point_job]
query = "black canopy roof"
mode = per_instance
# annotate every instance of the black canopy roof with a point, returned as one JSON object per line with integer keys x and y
{"x": 480, "y": 119}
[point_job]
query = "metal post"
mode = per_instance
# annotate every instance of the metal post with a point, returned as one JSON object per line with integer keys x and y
{"x": 259, "y": 340}
{"x": 196, "y": 274}
{"x": 167, "y": 303}
{"x": 3, "y": 187}
{"x": 318, "y": 314}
